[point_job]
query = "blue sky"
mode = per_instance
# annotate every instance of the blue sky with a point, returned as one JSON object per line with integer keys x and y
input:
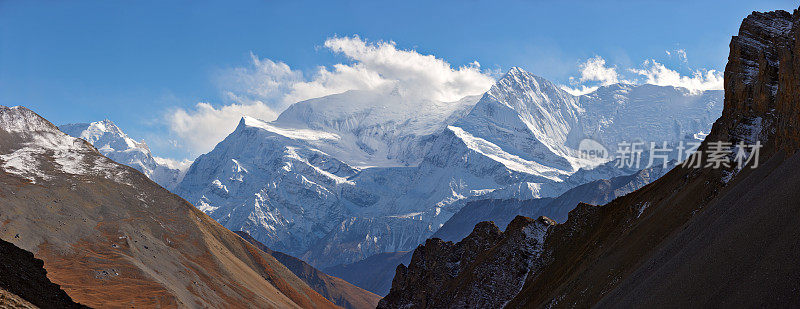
{"x": 137, "y": 63}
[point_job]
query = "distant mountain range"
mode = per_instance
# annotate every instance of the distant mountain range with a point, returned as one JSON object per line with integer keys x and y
{"x": 337, "y": 179}
{"x": 340, "y": 178}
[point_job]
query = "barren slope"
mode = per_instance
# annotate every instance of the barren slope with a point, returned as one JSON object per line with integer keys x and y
{"x": 111, "y": 237}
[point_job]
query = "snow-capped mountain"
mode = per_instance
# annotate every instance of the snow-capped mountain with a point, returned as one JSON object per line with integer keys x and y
{"x": 118, "y": 146}
{"x": 374, "y": 128}
{"x": 339, "y": 178}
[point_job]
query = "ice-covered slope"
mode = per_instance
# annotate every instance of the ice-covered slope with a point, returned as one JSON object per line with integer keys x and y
{"x": 648, "y": 113}
{"x": 374, "y": 128}
{"x": 340, "y": 178}
{"x": 525, "y": 122}
{"x": 118, "y": 146}
{"x": 269, "y": 182}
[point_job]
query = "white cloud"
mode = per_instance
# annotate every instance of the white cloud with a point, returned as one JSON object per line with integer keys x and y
{"x": 263, "y": 81}
{"x": 658, "y": 74}
{"x": 682, "y": 55}
{"x": 596, "y": 73}
{"x": 265, "y": 87}
{"x": 580, "y": 90}
{"x": 593, "y": 70}
{"x": 203, "y": 127}
{"x": 411, "y": 72}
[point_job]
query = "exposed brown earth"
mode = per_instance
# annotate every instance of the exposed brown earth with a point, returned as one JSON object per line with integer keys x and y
{"x": 24, "y": 283}
{"x": 113, "y": 238}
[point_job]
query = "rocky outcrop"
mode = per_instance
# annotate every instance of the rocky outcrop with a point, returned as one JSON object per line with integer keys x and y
{"x": 485, "y": 270}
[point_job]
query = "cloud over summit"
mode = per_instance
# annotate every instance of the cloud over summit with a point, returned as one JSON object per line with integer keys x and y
{"x": 265, "y": 87}
{"x": 595, "y": 73}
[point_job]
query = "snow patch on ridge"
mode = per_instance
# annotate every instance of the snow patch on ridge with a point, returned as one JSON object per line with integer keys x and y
{"x": 299, "y": 134}
{"x": 513, "y": 162}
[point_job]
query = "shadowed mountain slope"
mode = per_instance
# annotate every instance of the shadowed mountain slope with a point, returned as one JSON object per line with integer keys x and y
{"x": 24, "y": 283}
{"x": 339, "y": 291}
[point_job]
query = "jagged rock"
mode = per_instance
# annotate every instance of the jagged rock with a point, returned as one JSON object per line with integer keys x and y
{"x": 708, "y": 237}
{"x": 484, "y": 270}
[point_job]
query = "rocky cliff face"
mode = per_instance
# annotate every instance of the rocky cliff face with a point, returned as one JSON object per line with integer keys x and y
{"x": 485, "y": 270}
{"x": 679, "y": 241}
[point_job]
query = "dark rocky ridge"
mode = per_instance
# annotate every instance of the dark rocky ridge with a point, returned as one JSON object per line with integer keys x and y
{"x": 679, "y": 241}
{"x": 24, "y": 276}
{"x": 484, "y": 270}
{"x": 695, "y": 237}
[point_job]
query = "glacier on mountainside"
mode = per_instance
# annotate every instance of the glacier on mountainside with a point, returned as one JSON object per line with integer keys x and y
{"x": 339, "y": 178}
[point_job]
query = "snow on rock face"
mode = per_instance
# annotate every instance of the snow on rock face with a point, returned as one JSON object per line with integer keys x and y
{"x": 374, "y": 128}
{"x": 279, "y": 190}
{"x": 118, "y": 146}
{"x": 529, "y": 117}
{"x": 25, "y": 138}
{"x": 648, "y": 113}
{"x": 343, "y": 177}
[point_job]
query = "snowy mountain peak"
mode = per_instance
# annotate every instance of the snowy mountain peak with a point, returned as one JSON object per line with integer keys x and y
{"x": 517, "y": 76}
{"x": 18, "y": 119}
{"x": 370, "y": 128}
{"x": 26, "y": 138}
{"x": 516, "y": 71}
{"x": 338, "y": 178}
{"x": 104, "y": 135}
{"x": 112, "y": 142}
